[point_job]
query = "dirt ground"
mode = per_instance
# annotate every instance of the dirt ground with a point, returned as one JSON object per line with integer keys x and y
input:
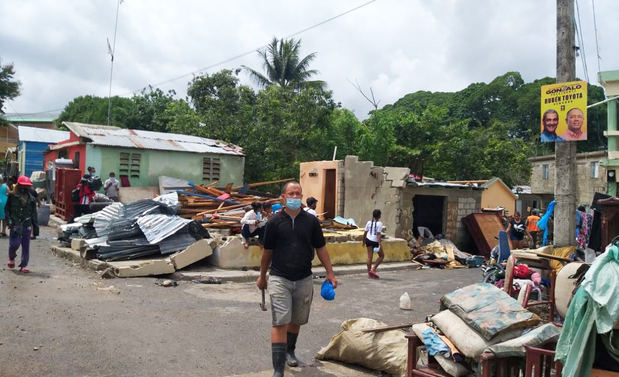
{"x": 63, "y": 320}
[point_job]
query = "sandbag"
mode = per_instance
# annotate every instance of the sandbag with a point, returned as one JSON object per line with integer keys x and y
{"x": 386, "y": 351}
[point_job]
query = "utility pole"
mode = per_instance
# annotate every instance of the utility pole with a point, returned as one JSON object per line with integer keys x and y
{"x": 565, "y": 152}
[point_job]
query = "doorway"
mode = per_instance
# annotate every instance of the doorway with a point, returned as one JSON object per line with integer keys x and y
{"x": 329, "y": 194}
{"x": 428, "y": 211}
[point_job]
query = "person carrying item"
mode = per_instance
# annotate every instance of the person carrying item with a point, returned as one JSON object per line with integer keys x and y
{"x": 252, "y": 224}
{"x": 371, "y": 240}
{"x": 289, "y": 242}
{"x": 517, "y": 231}
{"x": 20, "y": 214}
{"x": 111, "y": 187}
{"x": 86, "y": 196}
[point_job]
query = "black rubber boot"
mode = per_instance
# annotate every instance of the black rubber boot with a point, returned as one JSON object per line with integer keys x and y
{"x": 278, "y": 351}
{"x": 291, "y": 359}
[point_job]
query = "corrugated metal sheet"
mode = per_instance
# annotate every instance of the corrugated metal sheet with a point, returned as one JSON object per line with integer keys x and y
{"x": 42, "y": 135}
{"x": 159, "y": 227}
{"x": 176, "y": 242}
{"x": 105, "y": 217}
{"x": 122, "y": 137}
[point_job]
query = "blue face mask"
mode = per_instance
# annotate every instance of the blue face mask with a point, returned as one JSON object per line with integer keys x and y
{"x": 293, "y": 204}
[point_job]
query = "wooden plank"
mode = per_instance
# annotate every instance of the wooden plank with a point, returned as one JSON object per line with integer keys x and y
{"x": 387, "y": 328}
{"x": 263, "y": 183}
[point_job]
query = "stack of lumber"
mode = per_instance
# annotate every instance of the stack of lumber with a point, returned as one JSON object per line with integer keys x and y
{"x": 220, "y": 207}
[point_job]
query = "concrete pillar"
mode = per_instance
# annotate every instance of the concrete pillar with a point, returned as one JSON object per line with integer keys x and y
{"x": 565, "y": 152}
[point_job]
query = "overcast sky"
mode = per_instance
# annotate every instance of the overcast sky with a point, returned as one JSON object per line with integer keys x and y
{"x": 395, "y": 47}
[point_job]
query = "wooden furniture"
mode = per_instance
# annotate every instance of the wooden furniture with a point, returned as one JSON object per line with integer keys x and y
{"x": 505, "y": 367}
{"x": 540, "y": 362}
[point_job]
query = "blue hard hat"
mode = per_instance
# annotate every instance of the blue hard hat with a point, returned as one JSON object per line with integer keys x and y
{"x": 276, "y": 207}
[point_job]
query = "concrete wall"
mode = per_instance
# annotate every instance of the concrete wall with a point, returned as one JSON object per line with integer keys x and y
{"x": 312, "y": 177}
{"x": 587, "y": 185}
{"x": 498, "y": 195}
{"x": 370, "y": 187}
{"x": 459, "y": 203}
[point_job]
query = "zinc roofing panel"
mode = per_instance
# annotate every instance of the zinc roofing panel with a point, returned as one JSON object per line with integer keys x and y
{"x": 41, "y": 135}
{"x": 122, "y": 137}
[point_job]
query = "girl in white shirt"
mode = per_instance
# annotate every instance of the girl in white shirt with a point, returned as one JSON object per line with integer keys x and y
{"x": 371, "y": 240}
{"x": 252, "y": 224}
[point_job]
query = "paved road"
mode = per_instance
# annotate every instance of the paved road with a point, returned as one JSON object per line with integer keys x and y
{"x": 62, "y": 320}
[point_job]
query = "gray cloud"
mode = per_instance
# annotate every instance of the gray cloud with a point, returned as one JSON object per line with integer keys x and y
{"x": 395, "y": 47}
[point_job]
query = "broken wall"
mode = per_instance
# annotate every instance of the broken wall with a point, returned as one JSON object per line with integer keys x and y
{"x": 460, "y": 202}
{"x": 369, "y": 187}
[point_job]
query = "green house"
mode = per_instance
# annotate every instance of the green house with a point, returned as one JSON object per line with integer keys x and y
{"x": 140, "y": 157}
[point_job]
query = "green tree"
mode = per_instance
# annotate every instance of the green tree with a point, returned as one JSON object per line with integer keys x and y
{"x": 93, "y": 110}
{"x": 9, "y": 88}
{"x": 283, "y": 66}
{"x": 149, "y": 110}
{"x": 225, "y": 107}
{"x": 291, "y": 127}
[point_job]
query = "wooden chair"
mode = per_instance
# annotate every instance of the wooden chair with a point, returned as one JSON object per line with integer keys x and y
{"x": 505, "y": 367}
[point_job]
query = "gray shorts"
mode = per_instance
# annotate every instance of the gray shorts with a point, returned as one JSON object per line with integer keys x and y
{"x": 290, "y": 300}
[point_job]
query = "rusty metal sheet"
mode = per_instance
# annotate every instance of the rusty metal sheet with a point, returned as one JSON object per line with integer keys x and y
{"x": 483, "y": 228}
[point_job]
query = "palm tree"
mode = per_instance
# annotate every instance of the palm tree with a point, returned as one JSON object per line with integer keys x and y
{"x": 283, "y": 67}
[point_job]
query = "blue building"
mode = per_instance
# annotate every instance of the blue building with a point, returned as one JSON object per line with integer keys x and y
{"x": 32, "y": 143}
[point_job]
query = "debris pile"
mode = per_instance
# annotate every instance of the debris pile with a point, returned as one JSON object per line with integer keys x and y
{"x": 144, "y": 228}
{"x": 442, "y": 253}
{"x": 217, "y": 208}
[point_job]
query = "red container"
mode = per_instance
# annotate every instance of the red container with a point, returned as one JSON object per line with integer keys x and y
{"x": 66, "y": 180}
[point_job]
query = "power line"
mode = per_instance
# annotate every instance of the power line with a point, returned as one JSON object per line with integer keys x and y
{"x": 595, "y": 28}
{"x": 581, "y": 42}
{"x": 263, "y": 46}
{"x": 242, "y": 54}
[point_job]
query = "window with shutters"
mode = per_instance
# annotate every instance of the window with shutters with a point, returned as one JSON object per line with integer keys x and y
{"x": 130, "y": 164}
{"x": 210, "y": 168}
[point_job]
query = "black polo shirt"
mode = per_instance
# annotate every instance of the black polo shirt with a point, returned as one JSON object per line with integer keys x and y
{"x": 293, "y": 242}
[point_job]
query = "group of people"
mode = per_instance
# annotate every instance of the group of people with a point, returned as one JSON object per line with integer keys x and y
{"x": 574, "y": 119}
{"x": 18, "y": 212}
{"x": 86, "y": 192}
{"x": 257, "y": 215}
{"x": 521, "y": 231}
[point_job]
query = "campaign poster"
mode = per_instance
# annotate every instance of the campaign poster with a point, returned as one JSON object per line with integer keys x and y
{"x": 564, "y": 112}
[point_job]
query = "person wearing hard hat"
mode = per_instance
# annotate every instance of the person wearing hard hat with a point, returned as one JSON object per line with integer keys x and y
{"x": 21, "y": 213}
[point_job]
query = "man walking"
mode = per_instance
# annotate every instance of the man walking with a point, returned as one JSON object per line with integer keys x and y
{"x": 289, "y": 242}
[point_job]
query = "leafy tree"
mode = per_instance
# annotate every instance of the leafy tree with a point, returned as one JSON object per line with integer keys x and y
{"x": 93, "y": 110}
{"x": 225, "y": 107}
{"x": 149, "y": 110}
{"x": 291, "y": 127}
{"x": 284, "y": 67}
{"x": 9, "y": 88}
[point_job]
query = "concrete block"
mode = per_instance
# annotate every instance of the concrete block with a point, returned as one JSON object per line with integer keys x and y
{"x": 232, "y": 254}
{"x": 78, "y": 244}
{"x": 195, "y": 252}
{"x": 142, "y": 267}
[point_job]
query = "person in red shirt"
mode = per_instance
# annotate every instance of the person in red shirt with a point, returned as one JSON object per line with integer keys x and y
{"x": 86, "y": 197}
